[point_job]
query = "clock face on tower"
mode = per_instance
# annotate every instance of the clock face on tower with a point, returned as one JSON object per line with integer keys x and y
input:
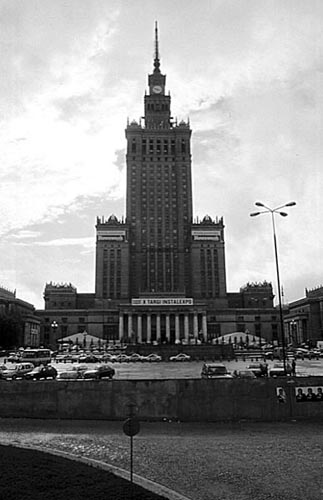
{"x": 157, "y": 89}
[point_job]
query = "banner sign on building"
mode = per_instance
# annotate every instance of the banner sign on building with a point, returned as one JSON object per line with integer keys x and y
{"x": 206, "y": 235}
{"x": 111, "y": 235}
{"x": 162, "y": 302}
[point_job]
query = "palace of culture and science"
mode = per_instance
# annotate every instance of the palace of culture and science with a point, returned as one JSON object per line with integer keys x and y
{"x": 160, "y": 275}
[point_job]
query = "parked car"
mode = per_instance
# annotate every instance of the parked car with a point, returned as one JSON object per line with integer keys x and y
{"x": 73, "y": 374}
{"x": 277, "y": 370}
{"x": 99, "y": 372}
{"x": 88, "y": 358}
{"x": 244, "y": 374}
{"x": 211, "y": 370}
{"x": 63, "y": 358}
{"x": 14, "y": 357}
{"x": 122, "y": 358}
{"x": 18, "y": 371}
{"x": 2, "y": 368}
{"x": 152, "y": 358}
{"x": 180, "y": 357}
{"x": 40, "y": 372}
{"x": 135, "y": 357}
{"x": 108, "y": 357}
{"x": 259, "y": 369}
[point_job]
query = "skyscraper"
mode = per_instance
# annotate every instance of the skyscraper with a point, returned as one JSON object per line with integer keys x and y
{"x": 159, "y": 254}
{"x": 160, "y": 274}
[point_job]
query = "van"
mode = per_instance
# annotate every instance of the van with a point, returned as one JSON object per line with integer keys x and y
{"x": 19, "y": 371}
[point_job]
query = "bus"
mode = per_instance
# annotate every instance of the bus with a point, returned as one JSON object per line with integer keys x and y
{"x": 36, "y": 356}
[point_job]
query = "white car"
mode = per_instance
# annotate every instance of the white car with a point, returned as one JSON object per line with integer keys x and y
{"x": 180, "y": 357}
{"x": 75, "y": 373}
{"x": 277, "y": 370}
{"x": 152, "y": 357}
{"x": 135, "y": 357}
{"x": 18, "y": 371}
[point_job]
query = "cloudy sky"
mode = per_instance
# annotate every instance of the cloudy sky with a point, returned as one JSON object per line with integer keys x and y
{"x": 248, "y": 74}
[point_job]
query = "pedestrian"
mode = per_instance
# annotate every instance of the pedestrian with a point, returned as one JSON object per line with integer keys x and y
{"x": 293, "y": 373}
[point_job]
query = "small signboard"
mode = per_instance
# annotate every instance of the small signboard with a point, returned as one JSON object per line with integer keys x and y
{"x": 131, "y": 426}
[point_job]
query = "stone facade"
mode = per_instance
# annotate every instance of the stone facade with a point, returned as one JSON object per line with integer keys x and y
{"x": 160, "y": 274}
{"x": 24, "y": 313}
{"x": 304, "y": 321}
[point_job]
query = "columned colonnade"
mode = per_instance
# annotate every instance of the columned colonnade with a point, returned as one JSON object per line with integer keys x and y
{"x": 159, "y": 326}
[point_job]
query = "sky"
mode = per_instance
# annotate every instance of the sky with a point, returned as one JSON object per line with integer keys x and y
{"x": 247, "y": 73}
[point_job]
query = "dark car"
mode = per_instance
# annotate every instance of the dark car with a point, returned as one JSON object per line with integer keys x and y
{"x": 99, "y": 372}
{"x": 214, "y": 371}
{"x": 259, "y": 369}
{"x": 88, "y": 358}
{"x": 42, "y": 372}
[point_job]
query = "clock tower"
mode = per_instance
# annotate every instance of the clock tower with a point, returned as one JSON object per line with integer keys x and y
{"x": 157, "y": 104}
{"x": 159, "y": 194}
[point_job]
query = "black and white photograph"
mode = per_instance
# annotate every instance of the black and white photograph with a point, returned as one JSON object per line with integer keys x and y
{"x": 161, "y": 271}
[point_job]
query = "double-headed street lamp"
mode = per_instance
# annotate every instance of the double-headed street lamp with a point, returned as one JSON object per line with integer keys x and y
{"x": 274, "y": 211}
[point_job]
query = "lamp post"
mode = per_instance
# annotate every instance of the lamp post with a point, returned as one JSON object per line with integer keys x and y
{"x": 272, "y": 212}
{"x": 293, "y": 325}
{"x": 54, "y": 326}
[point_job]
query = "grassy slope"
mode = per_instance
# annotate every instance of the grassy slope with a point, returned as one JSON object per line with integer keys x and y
{"x": 28, "y": 474}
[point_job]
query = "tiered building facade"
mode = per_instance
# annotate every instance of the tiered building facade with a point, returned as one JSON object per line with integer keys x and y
{"x": 160, "y": 274}
{"x": 27, "y": 323}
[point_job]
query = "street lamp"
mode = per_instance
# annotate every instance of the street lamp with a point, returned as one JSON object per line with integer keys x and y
{"x": 54, "y": 326}
{"x": 274, "y": 211}
{"x": 293, "y": 325}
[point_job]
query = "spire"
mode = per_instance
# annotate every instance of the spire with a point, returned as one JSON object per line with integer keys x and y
{"x": 156, "y": 60}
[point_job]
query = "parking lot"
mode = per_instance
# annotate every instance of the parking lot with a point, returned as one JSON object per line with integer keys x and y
{"x": 180, "y": 370}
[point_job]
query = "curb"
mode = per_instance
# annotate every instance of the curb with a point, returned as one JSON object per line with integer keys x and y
{"x": 147, "y": 484}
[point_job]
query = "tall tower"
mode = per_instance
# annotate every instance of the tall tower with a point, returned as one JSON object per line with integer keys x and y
{"x": 159, "y": 194}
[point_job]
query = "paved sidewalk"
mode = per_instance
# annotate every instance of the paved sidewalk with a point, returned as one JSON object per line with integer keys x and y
{"x": 242, "y": 461}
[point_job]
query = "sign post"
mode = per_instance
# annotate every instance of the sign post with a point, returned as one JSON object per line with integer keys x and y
{"x": 131, "y": 427}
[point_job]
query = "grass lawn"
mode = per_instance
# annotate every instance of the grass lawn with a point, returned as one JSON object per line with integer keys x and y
{"x": 28, "y": 474}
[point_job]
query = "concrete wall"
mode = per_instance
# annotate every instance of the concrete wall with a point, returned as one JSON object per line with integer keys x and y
{"x": 185, "y": 399}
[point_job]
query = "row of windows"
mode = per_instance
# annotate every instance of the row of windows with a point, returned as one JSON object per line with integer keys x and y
{"x": 256, "y": 318}
{"x": 159, "y": 146}
{"x": 65, "y": 320}
{"x": 157, "y": 106}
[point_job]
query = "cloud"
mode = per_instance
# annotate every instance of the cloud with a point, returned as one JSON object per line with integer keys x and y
{"x": 249, "y": 76}
{"x": 25, "y": 234}
{"x": 84, "y": 242}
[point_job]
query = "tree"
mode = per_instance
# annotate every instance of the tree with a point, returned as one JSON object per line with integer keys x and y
{"x": 11, "y": 330}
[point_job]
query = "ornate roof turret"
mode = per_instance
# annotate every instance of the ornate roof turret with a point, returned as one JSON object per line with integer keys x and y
{"x": 207, "y": 220}
{"x": 113, "y": 219}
